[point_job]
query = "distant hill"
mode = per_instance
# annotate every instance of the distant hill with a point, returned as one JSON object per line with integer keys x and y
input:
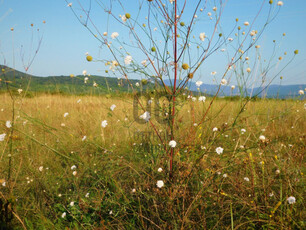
{"x": 65, "y": 84}
{"x": 76, "y": 85}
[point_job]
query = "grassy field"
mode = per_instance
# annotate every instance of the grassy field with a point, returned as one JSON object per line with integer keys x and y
{"x": 53, "y": 177}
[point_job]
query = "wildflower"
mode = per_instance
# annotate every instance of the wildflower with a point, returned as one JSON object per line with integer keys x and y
{"x": 202, "y": 98}
{"x": 159, "y": 170}
{"x": 2, "y": 136}
{"x": 112, "y": 107}
{"x": 213, "y": 73}
{"x": 110, "y": 212}
{"x": 146, "y": 116}
{"x": 160, "y": 184}
{"x": 243, "y": 131}
{"x": 223, "y": 81}
{"x": 64, "y": 215}
{"x": 71, "y": 203}
{"x": 84, "y": 138}
{"x": 301, "y": 92}
{"x": 280, "y": 3}
{"x": 4, "y": 184}
{"x": 87, "y": 195}
{"x": 252, "y": 33}
{"x": 85, "y": 80}
{"x": 105, "y": 34}
{"x": 215, "y": 129}
{"x": 172, "y": 143}
{"x": 63, "y": 125}
{"x": 262, "y": 137}
{"x": 202, "y": 37}
{"x": 199, "y": 83}
{"x": 133, "y": 190}
{"x": 215, "y": 8}
{"x": 69, "y": 4}
{"x": 78, "y": 101}
{"x": 73, "y": 167}
{"x": 222, "y": 50}
{"x": 257, "y": 46}
{"x": 114, "y": 35}
{"x": 95, "y": 84}
{"x": 41, "y": 168}
{"x": 209, "y": 14}
{"x": 277, "y": 171}
{"x": 246, "y": 23}
{"x": 291, "y": 199}
{"x": 19, "y": 91}
{"x": 219, "y": 150}
{"x": 233, "y": 87}
{"x": 84, "y": 72}
{"x": 104, "y": 123}
{"x": 271, "y": 194}
{"x": 8, "y": 124}
{"x": 128, "y": 60}
{"x": 144, "y": 63}
{"x": 74, "y": 173}
{"x": 246, "y": 179}
{"x": 225, "y": 175}
{"x": 248, "y": 69}
{"x": 66, "y": 114}
{"x": 123, "y": 18}
{"x": 137, "y": 84}
{"x": 230, "y": 39}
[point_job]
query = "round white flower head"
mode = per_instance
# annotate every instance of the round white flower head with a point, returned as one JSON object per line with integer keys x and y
{"x": 112, "y": 107}
{"x": 137, "y": 84}
{"x": 215, "y": 8}
{"x": 84, "y": 138}
{"x": 74, "y": 173}
{"x": 64, "y": 215}
{"x": 280, "y": 3}
{"x": 114, "y": 35}
{"x": 19, "y": 91}
{"x": 215, "y": 129}
{"x": 301, "y": 92}
{"x": 146, "y": 116}
{"x": 105, "y": 34}
{"x": 248, "y": 69}
{"x": 246, "y": 23}
{"x": 225, "y": 175}
{"x": 172, "y": 143}
{"x": 104, "y": 123}
{"x": 223, "y": 81}
{"x": 219, "y": 150}
{"x": 202, "y": 36}
{"x": 246, "y": 179}
{"x": 213, "y": 73}
{"x": 84, "y": 72}
{"x": 199, "y": 83}
{"x": 291, "y": 199}
{"x": 160, "y": 184}
{"x": 133, "y": 190}
{"x": 2, "y": 136}
{"x": 262, "y": 137}
{"x": 71, "y": 203}
{"x": 144, "y": 63}
{"x": 66, "y": 114}
{"x": 202, "y": 98}
{"x": 159, "y": 169}
{"x": 73, "y": 167}
{"x": 41, "y": 168}
{"x": 87, "y": 195}
{"x": 123, "y": 18}
{"x": 8, "y": 124}
{"x": 233, "y": 87}
{"x": 128, "y": 59}
{"x": 243, "y": 131}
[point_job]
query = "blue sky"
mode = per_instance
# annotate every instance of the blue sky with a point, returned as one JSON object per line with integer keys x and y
{"x": 65, "y": 41}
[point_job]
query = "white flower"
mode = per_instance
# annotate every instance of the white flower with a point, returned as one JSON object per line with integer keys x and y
{"x": 19, "y": 91}
{"x": 128, "y": 59}
{"x": 63, "y": 125}
{"x": 95, "y": 84}
{"x": 215, "y": 8}
{"x": 224, "y": 175}
{"x": 69, "y": 4}
{"x": 159, "y": 170}
{"x": 199, "y": 83}
{"x": 66, "y": 114}
{"x": 243, "y": 131}
{"x": 171, "y": 1}
{"x": 215, "y": 129}
{"x": 2, "y": 136}
{"x": 160, "y": 184}
{"x": 301, "y": 92}
{"x": 123, "y": 18}
{"x": 233, "y": 87}
{"x": 280, "y": 3}
{"x": 104, "y": 123}
{"x": 8, "y": 124}
{"x": 193, "y": 98}
{"x": 71, "y": 203}
{"x": 144, "y": 63}
{"x": 262, "y": 137}
{"x": 246, "y": 179}
{"x": 4, "y": 184}
{"x": 133, "y": 190}
{"x": 74, "y": 173}
{"x": 202, "y": 98}
{"x": 146, "y": 116}
{"x": 223, "y": 81}
{"x": 84, "y": 138}
{"x": 246, "y": 23}
{"x": 202, "y": 36}
{"x": 84, "y": 72}
{"x": 112, "y": 107}
{"x": 291, "y": 199}
{"x": 277, "y": 171}
{"x": 41, "y": 168}
{"x": 85, "y": 80}
{"x": 79, "y": 101}
{"x": 64, "y": 215}
{"x": 114, "y": 35}
{"x": 213, "y": 73}
{"x": 219, "y": 150}
{"x": 105, "y": 34}
{"x": 209, "y": 14}
{"x": 137, "y": 84}
{"x": 73, "y": 167}
{"x": 110, "y": 212}
{"x": 87, "y": 195}
{"x": 172, "y": 143}
{"x": 252, "y": 33}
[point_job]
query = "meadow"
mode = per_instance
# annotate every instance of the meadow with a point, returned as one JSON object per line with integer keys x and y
{"x": 66, "y": 170}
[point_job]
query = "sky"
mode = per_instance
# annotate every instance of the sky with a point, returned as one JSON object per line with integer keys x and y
{"x": 64, "y": 40}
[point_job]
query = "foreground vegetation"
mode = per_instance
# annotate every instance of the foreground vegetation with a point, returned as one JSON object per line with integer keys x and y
{"x": 60, "y": 178}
